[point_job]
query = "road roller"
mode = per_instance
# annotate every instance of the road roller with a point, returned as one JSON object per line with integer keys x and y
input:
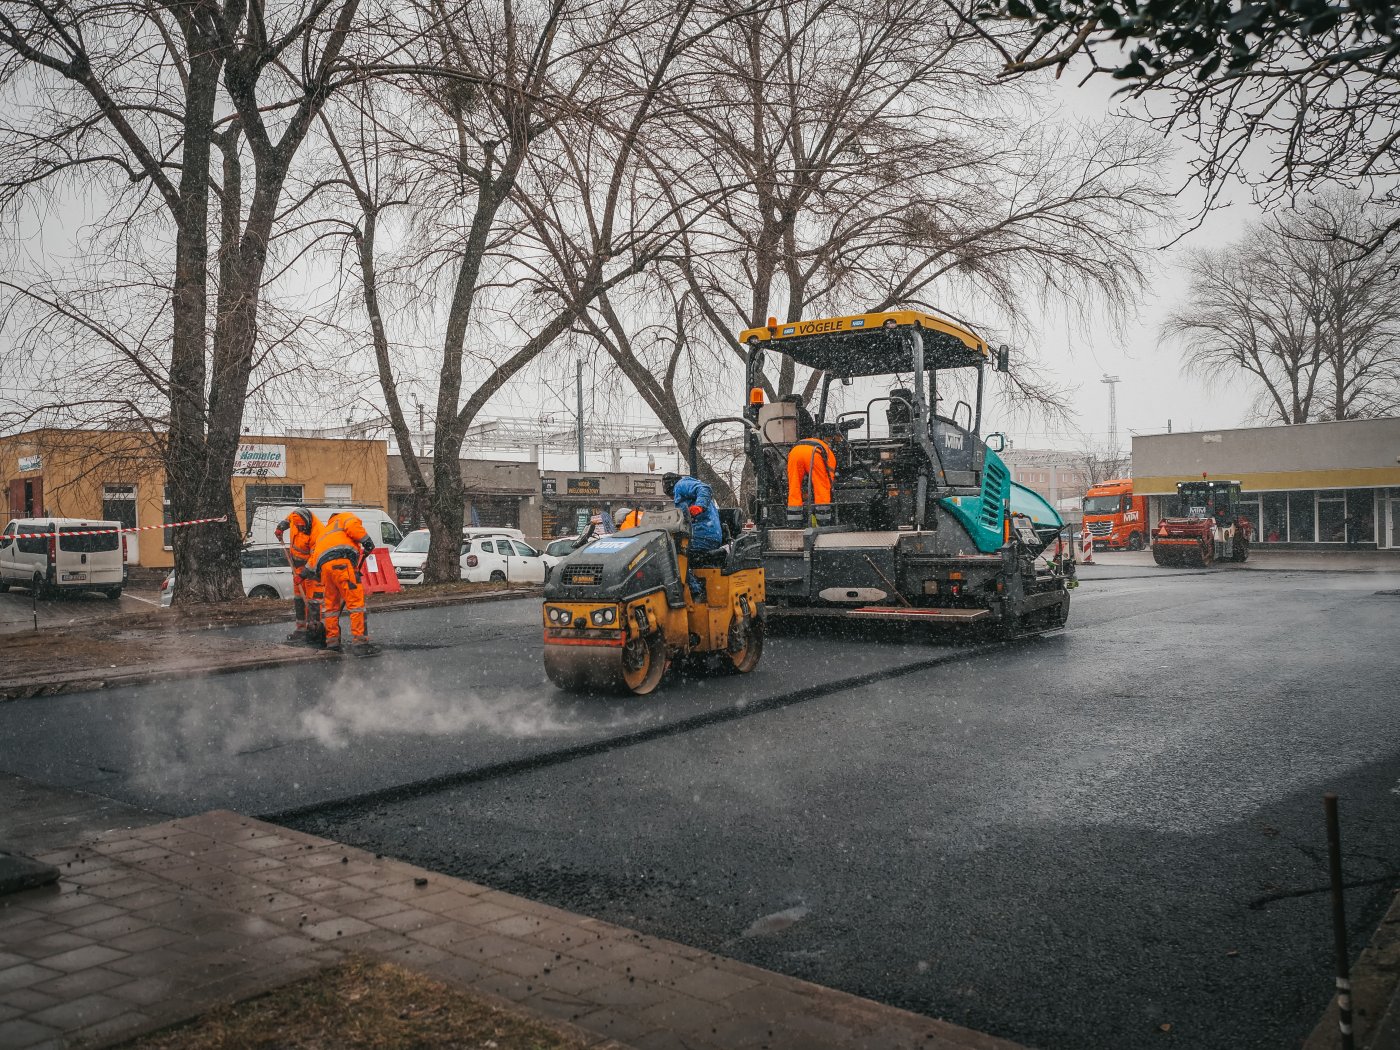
{"x": 619, "y": 611}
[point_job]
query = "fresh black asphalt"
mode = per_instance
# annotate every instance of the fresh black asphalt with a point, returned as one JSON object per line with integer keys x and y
{"x": 1070, "y": 842}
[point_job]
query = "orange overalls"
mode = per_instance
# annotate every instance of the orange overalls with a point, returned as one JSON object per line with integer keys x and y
{"x": 335, "y": 556}
{"x": 307, "y": 602}
{"x": 810, "y": 461}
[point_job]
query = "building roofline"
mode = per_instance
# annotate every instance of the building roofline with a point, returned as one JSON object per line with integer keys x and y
{"x": 1273, "y": 426}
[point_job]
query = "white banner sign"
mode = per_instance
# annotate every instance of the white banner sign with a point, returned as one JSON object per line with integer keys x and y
{"x": 30, "y": 463}
{"x": 260, "y": 461}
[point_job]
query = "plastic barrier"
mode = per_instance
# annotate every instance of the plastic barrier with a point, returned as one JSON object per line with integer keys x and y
{"x": 1088, "y": 548}
{"x": 377, "y": 573}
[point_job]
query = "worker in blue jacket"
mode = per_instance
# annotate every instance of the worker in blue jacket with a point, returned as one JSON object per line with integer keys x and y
{"x": 697, "y": 502}
{"x": 694, "y": 499}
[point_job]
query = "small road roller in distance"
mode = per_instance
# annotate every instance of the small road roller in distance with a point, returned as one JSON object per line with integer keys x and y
{"x": 618, "y": 612}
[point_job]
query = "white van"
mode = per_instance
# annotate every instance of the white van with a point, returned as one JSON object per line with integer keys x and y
{"x": 63, "y": 557}
{"x": 381, "y": 527}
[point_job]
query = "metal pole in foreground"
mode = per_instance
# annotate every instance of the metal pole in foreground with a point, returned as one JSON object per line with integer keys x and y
{"x": 1339, "y": 922}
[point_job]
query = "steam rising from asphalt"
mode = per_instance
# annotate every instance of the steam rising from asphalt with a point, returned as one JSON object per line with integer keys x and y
{"x": 355, "y": 709}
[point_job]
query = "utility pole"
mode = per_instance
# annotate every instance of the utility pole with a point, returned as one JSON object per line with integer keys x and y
{"x": 579, "y": 385}
{"x": 1112, "y": 382}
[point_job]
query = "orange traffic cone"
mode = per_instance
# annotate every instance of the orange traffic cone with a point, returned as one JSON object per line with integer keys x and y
{"x": 377, "y": 573}
{"x": 1088, "y": 548}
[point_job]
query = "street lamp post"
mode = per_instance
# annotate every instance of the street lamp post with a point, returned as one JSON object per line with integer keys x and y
{"x": 1112, "y": 382}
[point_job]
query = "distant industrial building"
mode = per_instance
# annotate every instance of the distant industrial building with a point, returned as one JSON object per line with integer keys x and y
{"x": 1061, "y": 477}
{"x": 1312, "y": 485}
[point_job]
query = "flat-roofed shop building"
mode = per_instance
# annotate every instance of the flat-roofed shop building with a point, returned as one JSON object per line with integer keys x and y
{"x": 571, "y": 497}
{"x": 1303, "y": 485}
{"x": 118, "y": 476}
{"x": 502, "y": 493}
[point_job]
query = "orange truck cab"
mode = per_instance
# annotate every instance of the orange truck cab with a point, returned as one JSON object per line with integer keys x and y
{"x": 1115, "y": 518}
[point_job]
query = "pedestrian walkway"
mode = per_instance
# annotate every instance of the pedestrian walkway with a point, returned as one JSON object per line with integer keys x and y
{"x": 1266, "y": 560}
{"x": 158, "y": 923}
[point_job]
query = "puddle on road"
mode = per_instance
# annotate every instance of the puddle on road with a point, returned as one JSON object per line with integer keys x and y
{"x": 777, "y": 922}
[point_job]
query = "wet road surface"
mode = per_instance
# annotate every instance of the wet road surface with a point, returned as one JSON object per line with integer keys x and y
{"x": 1069, "y": 842}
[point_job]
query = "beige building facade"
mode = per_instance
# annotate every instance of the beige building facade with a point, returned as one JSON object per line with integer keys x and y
{"x": 1316, "y": 485}
{"x": 119, "y": 476}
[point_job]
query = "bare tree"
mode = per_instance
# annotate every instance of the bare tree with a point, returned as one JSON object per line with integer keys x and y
{"x": 852, "y": 156}
{"x": 1312, "y": 86}
{"x": 510, "y": 176}
{"x": 1313, "y": 323}
{"x": 1102, "y": 462}
{"x": 185, "y": 120}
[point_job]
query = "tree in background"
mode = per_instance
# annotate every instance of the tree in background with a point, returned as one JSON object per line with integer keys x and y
{"x": 856, "y": 156}
{"x": 1312, "y": 85}
{"x": 181, "y": 123}
{"x": 1313, "y": 322}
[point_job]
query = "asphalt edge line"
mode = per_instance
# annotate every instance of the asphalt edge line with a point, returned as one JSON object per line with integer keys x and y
{"x": 560, "y": 756}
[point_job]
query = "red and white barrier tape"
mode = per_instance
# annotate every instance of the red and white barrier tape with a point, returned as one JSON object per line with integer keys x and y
{"x": 108, "y": 532}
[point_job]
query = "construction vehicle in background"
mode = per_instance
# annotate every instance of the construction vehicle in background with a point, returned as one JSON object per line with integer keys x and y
{"x": 1205, "y": 526}
{"x": 924, "y": 523}
{"x": 618, "y": 612}
{"x": 1114, "y": 518}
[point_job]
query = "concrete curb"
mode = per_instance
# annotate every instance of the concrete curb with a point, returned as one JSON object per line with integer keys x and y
{"x": 86, "y": 680}
{"x": 1375, "y": 985}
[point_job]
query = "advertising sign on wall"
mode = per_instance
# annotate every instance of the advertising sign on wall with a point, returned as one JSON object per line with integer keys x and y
{"x": 584, "y": 486}
{"x": 30, "y": 463}
{"x": 260, "y": 461}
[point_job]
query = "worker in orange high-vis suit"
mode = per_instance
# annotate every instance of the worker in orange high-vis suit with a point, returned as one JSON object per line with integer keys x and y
{"x": 298, "y": 530}
{"x": 811, "y": 467}
{"x": 628, "y": 519}
{"x": 336, "y": 554}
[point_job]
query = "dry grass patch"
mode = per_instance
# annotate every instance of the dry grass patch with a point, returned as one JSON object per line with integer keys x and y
{"x": 361, "y": 1004}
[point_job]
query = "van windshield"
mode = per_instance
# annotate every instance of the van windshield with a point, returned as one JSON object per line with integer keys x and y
{"x": 415, "y": 543}
{"x": 71, "y": 538}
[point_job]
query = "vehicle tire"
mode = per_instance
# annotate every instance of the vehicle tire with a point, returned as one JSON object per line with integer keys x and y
{"x": 113, "y": 592}
{"x": 498, "y": 577}
{"x": 1241, "y": 548}
{"x": 1135, "y": 541}
{"x": 263, "y": 592}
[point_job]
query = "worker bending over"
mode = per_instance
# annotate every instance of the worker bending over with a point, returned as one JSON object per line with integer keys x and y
{"x": 335, "y": 557}
{"x": 306, "y": 602}
{"x": 811, "y": 469}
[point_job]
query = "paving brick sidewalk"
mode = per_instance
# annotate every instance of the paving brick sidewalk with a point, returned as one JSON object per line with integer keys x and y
{"x": 156, "y": 924}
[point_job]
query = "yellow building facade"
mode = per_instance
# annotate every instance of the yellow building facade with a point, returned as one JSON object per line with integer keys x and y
{"x": 119, "y": 476}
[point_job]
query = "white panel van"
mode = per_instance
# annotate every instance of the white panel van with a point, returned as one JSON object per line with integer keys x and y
{"x": 381, "y": 527}
{"x": 60, "y": 554}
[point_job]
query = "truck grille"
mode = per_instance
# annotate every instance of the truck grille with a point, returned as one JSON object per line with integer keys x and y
{"x": 1100, "y": 528}
{"x": 583, "y": 575}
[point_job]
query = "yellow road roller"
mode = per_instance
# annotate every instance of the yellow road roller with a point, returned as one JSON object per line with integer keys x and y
{"x": 618, "y": 612}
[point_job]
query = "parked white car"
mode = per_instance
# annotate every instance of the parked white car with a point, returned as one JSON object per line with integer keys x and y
{"x": 266, "y": 574}
{"x": 61, "y": 555}
{"x": 501, "y": 559}
{"x": 485, "y": 558}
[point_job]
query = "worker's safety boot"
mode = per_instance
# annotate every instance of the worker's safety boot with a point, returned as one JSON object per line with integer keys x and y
{"x": 298, "y": 635}
{"x": 364, "y": 647}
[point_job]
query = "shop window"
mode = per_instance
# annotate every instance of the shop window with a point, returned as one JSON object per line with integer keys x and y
{"x": 1301, "y": 517}
{"x": 1361, "y": 505}
{"x": 1331, "y": 517}
{"x": 1249, "y": 509}
{"x": 1274, "y": 527}
{"x": 339, "y": 493}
